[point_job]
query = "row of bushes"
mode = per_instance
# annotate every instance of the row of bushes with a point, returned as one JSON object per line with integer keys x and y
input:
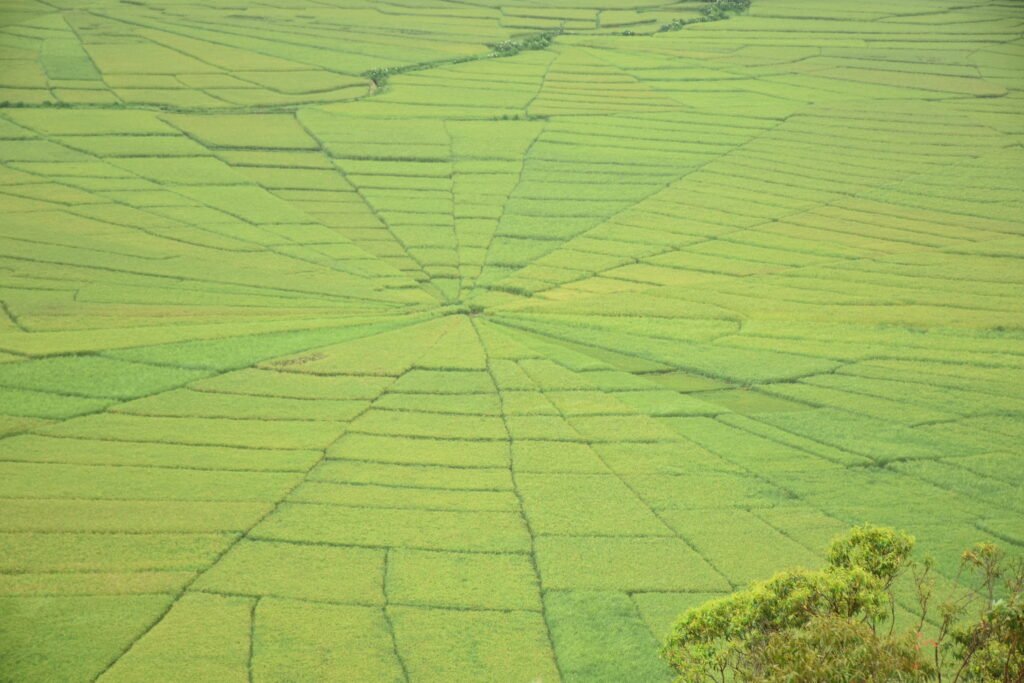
{"x": 505, "y": 48}
{"x": 712, "y": 11}
{"x": 539, "y": 41}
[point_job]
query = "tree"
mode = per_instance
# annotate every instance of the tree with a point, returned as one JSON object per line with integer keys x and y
{"x": 990, "y": 648}
{"x": 803, "y": 626}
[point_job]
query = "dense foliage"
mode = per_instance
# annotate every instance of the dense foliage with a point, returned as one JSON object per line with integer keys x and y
{"x": 830, "y": 624}
{"x": 720, "y": 9}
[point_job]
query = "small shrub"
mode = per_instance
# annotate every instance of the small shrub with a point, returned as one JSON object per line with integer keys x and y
{"x": 378, "y": 76}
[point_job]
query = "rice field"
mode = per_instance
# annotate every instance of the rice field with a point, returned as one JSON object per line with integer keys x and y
{"x": 446, "y": 341}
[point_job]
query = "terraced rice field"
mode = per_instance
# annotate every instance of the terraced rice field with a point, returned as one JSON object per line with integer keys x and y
{"x": 337, "y": 344}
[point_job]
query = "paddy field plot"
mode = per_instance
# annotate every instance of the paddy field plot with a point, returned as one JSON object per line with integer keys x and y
{"x": 436, "y": 341}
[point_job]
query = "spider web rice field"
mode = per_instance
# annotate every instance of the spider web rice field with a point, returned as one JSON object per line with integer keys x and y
{"x": 338, "y": 344}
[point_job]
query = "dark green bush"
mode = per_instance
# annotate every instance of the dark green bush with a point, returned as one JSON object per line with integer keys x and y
{"x": 720, "y": 9}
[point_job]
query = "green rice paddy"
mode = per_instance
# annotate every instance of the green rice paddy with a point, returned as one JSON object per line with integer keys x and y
{"x": 432, "y": 340}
